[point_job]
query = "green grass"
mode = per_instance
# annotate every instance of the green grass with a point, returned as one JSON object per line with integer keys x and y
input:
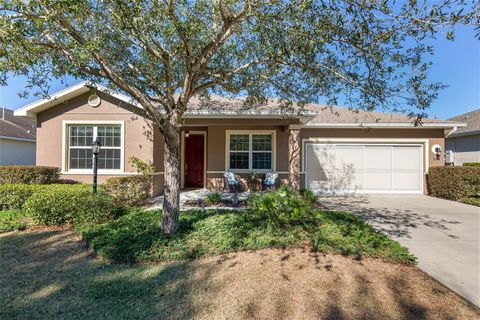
{"x": 11, "y": 220}
{"x": 474, "y": 201}
{"x": 137, "y": 237}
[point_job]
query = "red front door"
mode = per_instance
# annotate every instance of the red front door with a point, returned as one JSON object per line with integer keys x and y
{"x": 194, "y": 148}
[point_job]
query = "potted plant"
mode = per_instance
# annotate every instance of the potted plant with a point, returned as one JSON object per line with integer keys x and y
{"x": 254, "y": 182}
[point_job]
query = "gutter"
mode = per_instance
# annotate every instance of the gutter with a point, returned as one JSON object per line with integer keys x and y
{"x": 451, "y": 131}
{"x": 408, "y": 125}
{"x": 17, "y": 139}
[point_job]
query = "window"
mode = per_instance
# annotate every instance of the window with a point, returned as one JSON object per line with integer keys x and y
{"x": 250, "y": 151}
{"x": 80, "y": 139}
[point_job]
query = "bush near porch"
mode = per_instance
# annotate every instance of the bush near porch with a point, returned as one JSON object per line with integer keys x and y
{"x": 129, "y": 191}
{"x": 454, "y": 183}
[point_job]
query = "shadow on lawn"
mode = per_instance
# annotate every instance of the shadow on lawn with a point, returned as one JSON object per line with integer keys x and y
{"x": 49, "y": 274}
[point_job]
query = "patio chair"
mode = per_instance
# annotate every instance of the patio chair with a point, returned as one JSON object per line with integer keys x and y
{"x": 233, "y": 185}
{"x": 270, "y": 180}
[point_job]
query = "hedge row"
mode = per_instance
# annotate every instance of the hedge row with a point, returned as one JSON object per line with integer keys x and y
{"x": 454, "y": 183}
{"x": 471, "y": 164}
{"x": 57, "y": 204}
{"x": 29, "y": 174}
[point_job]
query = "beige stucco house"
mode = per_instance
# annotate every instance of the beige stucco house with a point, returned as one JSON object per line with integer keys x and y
{"x": 465, "y": 141}
{"x": 323, "y": 149}
{"x": 17, "y": 139}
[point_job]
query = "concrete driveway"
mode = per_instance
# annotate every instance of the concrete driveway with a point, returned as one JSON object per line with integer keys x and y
{"x": 444, "y": 235}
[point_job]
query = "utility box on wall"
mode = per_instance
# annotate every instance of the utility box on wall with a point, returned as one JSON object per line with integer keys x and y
{"x": 449, "y": 157}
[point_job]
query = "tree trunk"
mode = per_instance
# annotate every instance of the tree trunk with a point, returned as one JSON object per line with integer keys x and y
{"x": 171, "y": 193}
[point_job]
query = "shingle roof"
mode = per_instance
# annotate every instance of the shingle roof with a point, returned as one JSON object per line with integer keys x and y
{"x": 220, "y": 107}
{"x": 472, "y": 119}
{"x": 321, "y": 113}
{"x": 16, "y": 127}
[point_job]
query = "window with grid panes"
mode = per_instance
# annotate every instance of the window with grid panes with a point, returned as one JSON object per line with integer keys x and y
{"x": 80, "y": 142}
{"x": 250, "y": 151}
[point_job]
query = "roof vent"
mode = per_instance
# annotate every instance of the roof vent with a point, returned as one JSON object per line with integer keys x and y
{"x": 94, "y": 100}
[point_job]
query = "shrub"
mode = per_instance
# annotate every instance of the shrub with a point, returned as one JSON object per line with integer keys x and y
{"x": 474, "y": 201}
{"x": 145, "y": 168}
{"x": 136, "y": 236}
{"x": 11, "y": 220}
{"x": 60, "y": 204}
{"x": 453, "y": 183}
{"x": 129, "y": 191}
{"x": 28, "y": 174}
{"x": 213, "y": 198}
{"x": 471, "y": 164}
{"x": 309, "y": 196}
{"x": 281, "y": 207}
{"x": 13, "y": 196}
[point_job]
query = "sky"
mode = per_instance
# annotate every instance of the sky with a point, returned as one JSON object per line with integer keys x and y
{"x": 456, "y": 64}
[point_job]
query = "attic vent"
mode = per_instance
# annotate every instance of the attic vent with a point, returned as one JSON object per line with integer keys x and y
{"x": 94, "y": 100}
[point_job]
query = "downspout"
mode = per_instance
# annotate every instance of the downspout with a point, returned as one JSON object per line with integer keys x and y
{"x": 451, "y": 131}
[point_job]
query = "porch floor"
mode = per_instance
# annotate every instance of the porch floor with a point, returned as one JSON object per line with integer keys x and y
{"x": 196, "y": 194}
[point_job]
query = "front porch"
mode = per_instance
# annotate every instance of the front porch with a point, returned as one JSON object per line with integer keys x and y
{"x": 192, "y": 195}
{"x": 242, "y": 147}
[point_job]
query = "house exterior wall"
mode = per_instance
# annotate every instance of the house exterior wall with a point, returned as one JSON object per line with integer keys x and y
{"x": 465, "y": 148}
{"x": 216, "y": 143}
{"x": 16, "y": 152}
{"x": 146, "y": 143}
{"x": 138, "y": 136}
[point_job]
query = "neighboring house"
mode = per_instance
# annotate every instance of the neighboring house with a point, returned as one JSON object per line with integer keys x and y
{"x": 323, "y": 149}
{"x": 17, "y": 139}
{"x": 465, "y": 141}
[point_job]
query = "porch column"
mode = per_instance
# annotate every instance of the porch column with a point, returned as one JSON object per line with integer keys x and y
{"x": 294, "y": 157}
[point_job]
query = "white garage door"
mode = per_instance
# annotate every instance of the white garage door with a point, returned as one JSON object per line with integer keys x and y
{"x": 376, "y": 169}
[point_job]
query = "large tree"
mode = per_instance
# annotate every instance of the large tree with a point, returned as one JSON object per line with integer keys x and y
{"x": 369, "y": 53}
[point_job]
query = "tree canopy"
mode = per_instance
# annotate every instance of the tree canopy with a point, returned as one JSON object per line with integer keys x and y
{"x": 371, "y": 53}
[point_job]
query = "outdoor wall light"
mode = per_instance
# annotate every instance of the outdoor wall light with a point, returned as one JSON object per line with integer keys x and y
{"x": 96, "y": 148}
{"x": 437, "y": 150}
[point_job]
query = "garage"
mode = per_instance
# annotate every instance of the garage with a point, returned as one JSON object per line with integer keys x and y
{"x": 364, "y": 168}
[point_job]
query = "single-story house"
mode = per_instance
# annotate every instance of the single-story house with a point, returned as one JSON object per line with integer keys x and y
{"x": 325, "y": 149}
{"x": 17, "y": 139}
{"x": 465, "y": 141}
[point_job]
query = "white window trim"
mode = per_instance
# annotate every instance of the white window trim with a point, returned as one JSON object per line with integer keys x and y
{"x": 250, "y": 152}
{"x": 65, "y": 148}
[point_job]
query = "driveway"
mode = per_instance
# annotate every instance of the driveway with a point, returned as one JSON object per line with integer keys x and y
{"x": 444, "y": 235}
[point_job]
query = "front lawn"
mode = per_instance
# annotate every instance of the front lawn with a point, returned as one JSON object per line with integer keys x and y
{"x": 49, "y": 274}
{"x": 137, "y": 237}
